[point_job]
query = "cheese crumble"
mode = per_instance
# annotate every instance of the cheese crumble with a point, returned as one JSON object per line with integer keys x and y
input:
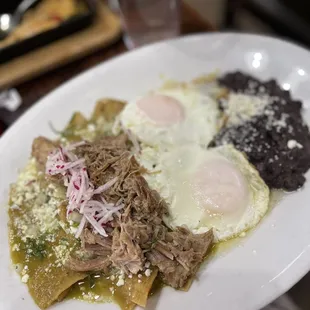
{"x": 148, "y": 272}
{"x": 25, "y": 278}
{"x": 241, "y": 108}
{"x": 291, "y": 144}
{"x": 121, "y": 279}
{"x": 36, "y": 204}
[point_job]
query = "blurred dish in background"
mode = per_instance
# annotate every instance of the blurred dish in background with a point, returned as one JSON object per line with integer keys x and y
{"x": 49, "y": 21}
{"x": 48, "y": 14}
{"x": 147, "y": 21}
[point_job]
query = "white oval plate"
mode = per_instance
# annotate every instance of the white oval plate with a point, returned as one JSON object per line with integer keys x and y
{"x": 268, "y": 261}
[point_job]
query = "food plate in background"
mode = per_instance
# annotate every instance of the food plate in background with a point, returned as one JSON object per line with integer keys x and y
{"x": 76, "y": 22}
{"x": 105, "y": 30}
{"x": 256, "y": 269}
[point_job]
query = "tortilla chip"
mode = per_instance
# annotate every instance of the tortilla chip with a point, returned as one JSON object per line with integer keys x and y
{"x": 47, "y": 288}
{"x": 77, "y": 121}
{"x": 138, "y": 292}
{"x": 108, "y": 108}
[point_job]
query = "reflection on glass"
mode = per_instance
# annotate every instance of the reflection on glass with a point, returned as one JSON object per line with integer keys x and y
{"x": 258, "y": 56}
{"x": 296, "y": 77}
{"x": 256, "y": 60}
{"x": 301, "y": 72}
{"x": 255, "y": 63}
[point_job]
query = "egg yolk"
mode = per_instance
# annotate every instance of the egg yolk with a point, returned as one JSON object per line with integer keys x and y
{"x": 162, "y": 110}
{"x": 219, "y": 188}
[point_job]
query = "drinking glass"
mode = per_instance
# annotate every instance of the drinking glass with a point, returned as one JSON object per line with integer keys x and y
{"x": 146, "y": 21}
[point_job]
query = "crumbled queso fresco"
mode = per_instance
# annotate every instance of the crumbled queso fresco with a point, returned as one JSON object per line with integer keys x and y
{"x": 41, "y": 204}
{"x": 293, "y": 143}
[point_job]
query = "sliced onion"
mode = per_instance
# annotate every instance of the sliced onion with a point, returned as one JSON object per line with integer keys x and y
{"x": 95, "y": 225}
{"x": 106, "y": 186}
{"x": 81, "y": 193}
{"x": 81, "y": 227}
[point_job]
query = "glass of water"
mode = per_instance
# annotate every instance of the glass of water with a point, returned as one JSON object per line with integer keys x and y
{"x": 147, "y": 21}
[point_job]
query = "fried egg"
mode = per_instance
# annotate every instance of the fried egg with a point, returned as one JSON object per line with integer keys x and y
{"x": 207, "y": 188}
{"x": 169, "y": 116}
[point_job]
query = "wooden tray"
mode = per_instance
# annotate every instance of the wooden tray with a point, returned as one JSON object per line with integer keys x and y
{"x": 105, "y": 30}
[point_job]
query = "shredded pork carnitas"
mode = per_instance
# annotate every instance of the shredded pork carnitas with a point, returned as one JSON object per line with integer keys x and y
{"x": 134, "y": 234}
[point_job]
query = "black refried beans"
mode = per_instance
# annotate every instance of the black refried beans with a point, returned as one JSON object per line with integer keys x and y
{"x": 277, "y": 142}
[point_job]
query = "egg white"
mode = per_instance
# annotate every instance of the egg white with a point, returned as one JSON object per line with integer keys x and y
{"x": 171, "y": 172}
{"x": 200, "y": 124}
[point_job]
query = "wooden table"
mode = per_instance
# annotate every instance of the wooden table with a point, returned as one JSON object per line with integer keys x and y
{"x": 33, "y": 90}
